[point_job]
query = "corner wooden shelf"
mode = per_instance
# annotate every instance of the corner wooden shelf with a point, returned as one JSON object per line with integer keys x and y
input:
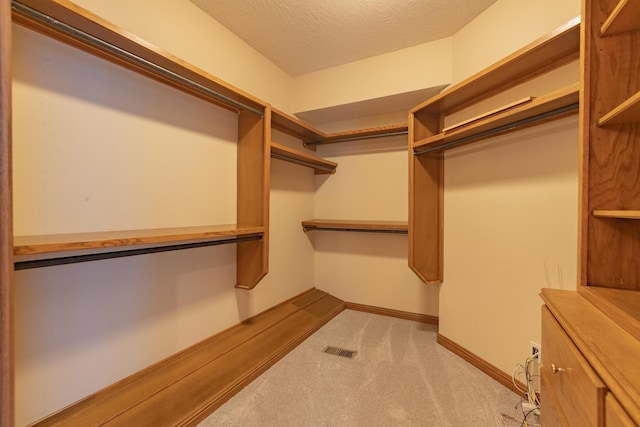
{"x": 319, "y": 165}
{"x": 624, "y": 17}
{"x": 32, "y": 245}
{"x": 627, "y": 112}
{"x": 291, "y": 126}
{"x": 399, "y": 227}
{"x": 360, "y": 134}
{"x": 620, "y": 214}
{"x": 547, "y": 107}
{"x": 428, "y": 138}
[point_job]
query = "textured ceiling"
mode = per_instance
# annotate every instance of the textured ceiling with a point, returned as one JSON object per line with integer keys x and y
{"x": 302, "y": 36}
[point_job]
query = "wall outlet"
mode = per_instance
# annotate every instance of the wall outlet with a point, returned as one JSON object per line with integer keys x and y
{"x": 535, "y": 350}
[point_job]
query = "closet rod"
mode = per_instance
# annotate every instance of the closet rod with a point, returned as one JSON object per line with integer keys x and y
{"x": 499, "y": 129}
{"x": 123, "y": 54}
{"x": 356, "y": 138}
{"x": 302, "y": 162}
{"x": 49, "y": 262}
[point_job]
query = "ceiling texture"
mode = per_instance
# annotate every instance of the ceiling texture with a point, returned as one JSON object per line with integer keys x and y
{"x": 302, "y": 36}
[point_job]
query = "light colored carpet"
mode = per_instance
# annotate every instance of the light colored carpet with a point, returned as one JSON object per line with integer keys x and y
{"x": 399, "y": 377}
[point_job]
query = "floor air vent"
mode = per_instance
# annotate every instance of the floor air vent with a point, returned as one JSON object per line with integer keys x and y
{"x": 337, "y": 351}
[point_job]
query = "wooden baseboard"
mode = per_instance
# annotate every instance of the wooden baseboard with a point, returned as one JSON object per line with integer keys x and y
{"x": 423, "y": 318}
{"x": 185, "y": 388}
{"x": 480, "y": 363}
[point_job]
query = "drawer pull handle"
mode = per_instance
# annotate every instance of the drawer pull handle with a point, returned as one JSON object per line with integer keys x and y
{"x": 556, "y": 369}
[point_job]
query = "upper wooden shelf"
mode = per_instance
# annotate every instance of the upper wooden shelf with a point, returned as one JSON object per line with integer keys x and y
{"x": 69, "y": 23}
{"x": 366, "y": 133}
{"x": 311, "y": 136}
{"x": 547, "y": 107}
{"x": 627, "y": 112}
{"x": 620, "y": 214}
{"x": 30, "y": 245}
{"x": 319, "y": 165}
{"x": 624, "y": 17}
{"x": 294, "y": 127}
{"x": 551, "y": 51}
{"x": 400, "y": 227}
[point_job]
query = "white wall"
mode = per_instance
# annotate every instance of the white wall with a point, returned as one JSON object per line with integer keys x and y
{"x": 419, "y": 67}
{"x": 367, "y": 268}
{"x": 511, "y": 203}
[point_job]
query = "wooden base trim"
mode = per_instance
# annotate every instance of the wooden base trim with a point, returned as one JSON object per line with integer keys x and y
{"x": 207, "y": 374}
{"x": 481, "y": 364}
{"x": 416, "y": 317}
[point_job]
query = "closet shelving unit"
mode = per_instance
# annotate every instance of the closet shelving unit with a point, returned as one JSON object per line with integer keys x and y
{"x": 312, "y": 137}
{"x": 296, "y": 128}
{"x": 429, "y": 138}
{"x": 71, "y": 24}
{"x": 397, "y": 227}
{"x": 601, "y": 321}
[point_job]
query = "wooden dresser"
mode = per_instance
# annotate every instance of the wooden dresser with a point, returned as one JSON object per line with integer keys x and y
{"x": 590, "y": 373}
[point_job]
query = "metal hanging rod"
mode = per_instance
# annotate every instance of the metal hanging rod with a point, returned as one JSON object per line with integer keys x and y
{"x": 302, "y": 162}
{"x": 499, "y": 129}
{"x": 121, "y": 53}
{"x": 356, "y": 138}
{"x": 74, "y": 259}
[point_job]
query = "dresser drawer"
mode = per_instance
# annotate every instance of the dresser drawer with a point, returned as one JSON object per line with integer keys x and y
{"x": 579, "y": 391}
{"x": 615, "y": 415}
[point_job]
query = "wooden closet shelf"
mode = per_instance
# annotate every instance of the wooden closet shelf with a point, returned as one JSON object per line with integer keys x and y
{"x": 627, "y": 112}
{"x": 78, "y": 27}
{"x": 30, "y": 245}
{"x": 294, "y": 127}
{"x": 547, "y": 107}
{"x": 400, "y": 227}
{"x": 620, "y": 214}
{"x": 549, "y": 52}
{"x": 359, "y": 134}
{"x": 624, "y": 17}
{"x": 320, "y": 166}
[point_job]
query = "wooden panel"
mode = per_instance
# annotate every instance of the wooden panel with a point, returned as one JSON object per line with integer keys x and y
{"x": 426, "y": 191}
{"x": 357, "y": 225}
{"x": 67, "y": 12}
{"x": 615, "y": 414}
{"x": 612, "y": 172}
{"x": 29, "y": 245}
{"x": 254, "y": 134}
{"x": 6, "y": 224}
{"x": 620, "y": 305}
{"x": 319, "y": 165}
{"x": 579, "y": 390}
{"x": 217, "y": 365}
{"x": 551, "y": 51}
{"x": 426, "y": 221}
{"x": 550, "y": 411}
{"x": 624, "y": 17}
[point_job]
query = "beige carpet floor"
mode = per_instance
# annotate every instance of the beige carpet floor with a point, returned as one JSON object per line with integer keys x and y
{"x": 399, "y": 377}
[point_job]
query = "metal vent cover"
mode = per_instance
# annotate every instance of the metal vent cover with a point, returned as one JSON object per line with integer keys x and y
{"x": 337, "y": 351}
